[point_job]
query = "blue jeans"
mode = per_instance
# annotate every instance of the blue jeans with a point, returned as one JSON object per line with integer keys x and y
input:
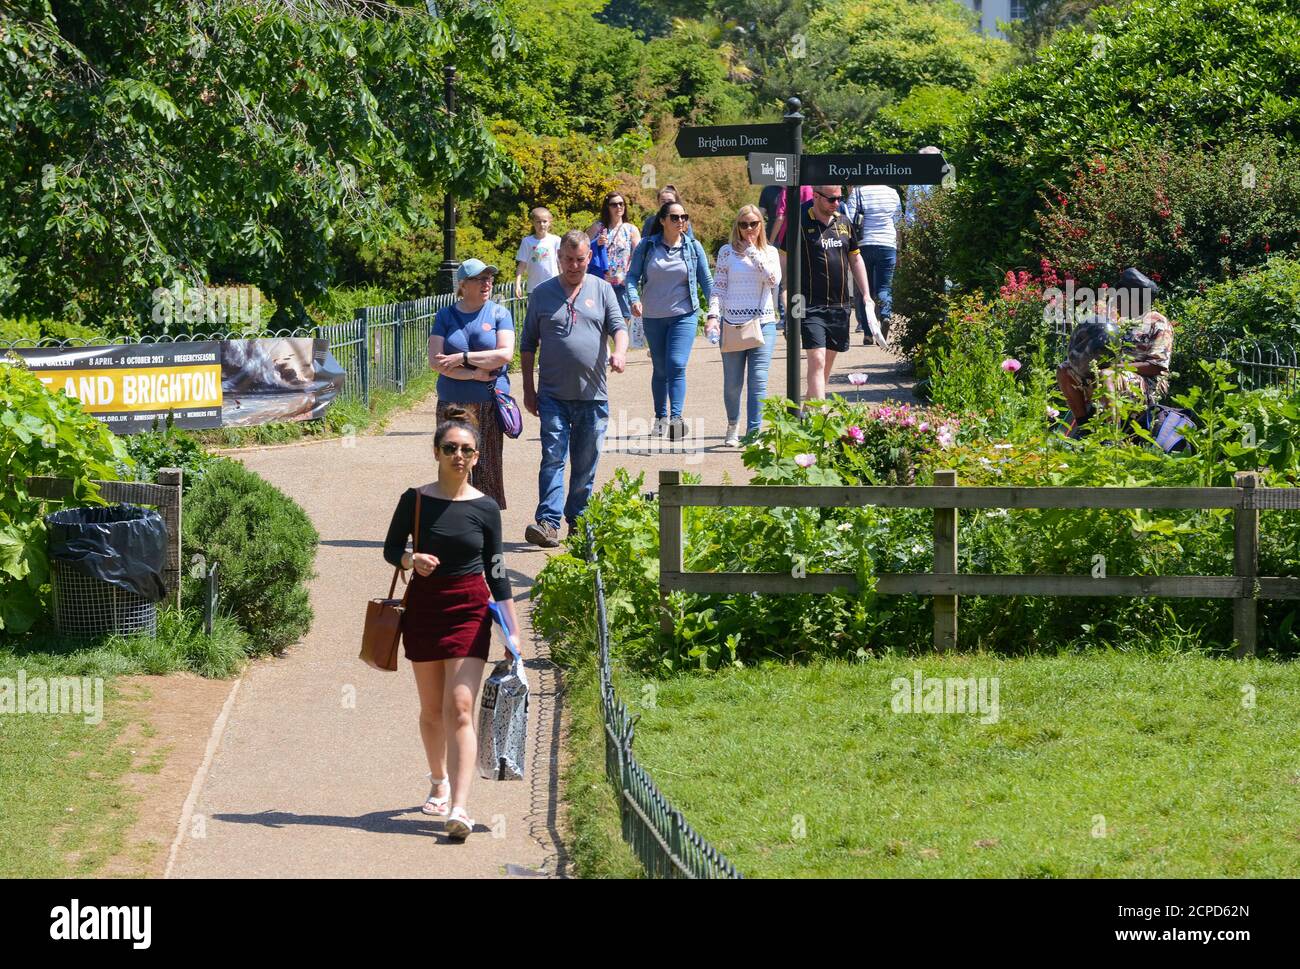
{"x": 880, "y": 262}
{"x": 620, "y": 293}
{"x": 575, "y": 428}
{"x": 670, "y": 339}
{"x": 752, "y": 363}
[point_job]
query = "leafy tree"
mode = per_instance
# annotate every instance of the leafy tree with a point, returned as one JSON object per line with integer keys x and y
{"x": 1175, "y": 73}
{"x": 1043, "y": 18}
{"x": 42, "y": 432}
{"x": 152, "y": 140}
{"x": 847, "y": 60}
{"x": 570, "y": 73}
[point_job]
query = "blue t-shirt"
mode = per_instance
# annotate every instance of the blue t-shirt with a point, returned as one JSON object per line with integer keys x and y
{"x": 462, "y": 333}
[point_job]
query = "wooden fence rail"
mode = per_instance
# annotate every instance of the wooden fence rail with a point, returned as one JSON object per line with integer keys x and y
{"x": 1245, "y": 586}
{"x": 165, "y": 495}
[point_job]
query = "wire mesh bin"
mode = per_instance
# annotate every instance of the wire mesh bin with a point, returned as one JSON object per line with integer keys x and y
{"x": 106, "y": 569}
{"x": 85, "y": 606}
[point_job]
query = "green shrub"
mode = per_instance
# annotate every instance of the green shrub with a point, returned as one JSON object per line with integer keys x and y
{"x": 26, "y": 329}
{"x": 42, "y": 433}
{"x": 920, "y": 294}
{"x": 1188, "y": 219}
{"x": 167, "y": 447}
{"x": 927, "y": 116}
{"x": 991, "y": 449}
{"x": 1263, "y": 305}
{"x": 1173, "y": 73}
{"x": 340, "y": 304}
{"x": 266, "y": 547}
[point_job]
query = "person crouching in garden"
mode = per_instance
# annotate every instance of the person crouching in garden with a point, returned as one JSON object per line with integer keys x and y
{"x": 1146, "y": 349}
{"x": 745, "y": 281}
{"x": 470, "y": 346}
{"x": 447, "y": 629}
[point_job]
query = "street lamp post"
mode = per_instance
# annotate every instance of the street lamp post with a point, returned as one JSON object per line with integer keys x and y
{"x": 793, "y": 243}
{"x": 447, "y": 271}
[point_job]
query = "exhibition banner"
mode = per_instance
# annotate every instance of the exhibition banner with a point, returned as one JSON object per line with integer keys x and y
{"x": 201, "y": 385}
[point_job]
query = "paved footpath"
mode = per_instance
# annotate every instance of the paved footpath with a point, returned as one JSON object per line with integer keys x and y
{"x": 319, "y": 771}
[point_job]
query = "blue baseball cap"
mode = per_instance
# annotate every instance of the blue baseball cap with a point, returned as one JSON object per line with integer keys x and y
{"x": 472, "y": 269}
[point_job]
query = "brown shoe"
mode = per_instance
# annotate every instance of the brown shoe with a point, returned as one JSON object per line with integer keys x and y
{"x": 543, "y": 534}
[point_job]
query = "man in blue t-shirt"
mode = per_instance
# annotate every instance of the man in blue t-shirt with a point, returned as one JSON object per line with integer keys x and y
{"x": 572, "y": 317}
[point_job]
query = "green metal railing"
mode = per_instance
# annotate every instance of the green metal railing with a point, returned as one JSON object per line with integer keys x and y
{"x": 667, "y": 846}
{"x": 384, "y": 347}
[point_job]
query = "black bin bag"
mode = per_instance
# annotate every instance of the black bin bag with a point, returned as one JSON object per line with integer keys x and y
{"x": 123, "y": 545}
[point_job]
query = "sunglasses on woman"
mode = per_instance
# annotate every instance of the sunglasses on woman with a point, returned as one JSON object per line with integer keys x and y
{"x": 679, "y": 218}
{"x": 447, "y": 448}
{"x": 748, "y": 225}
{"x": 616, "y": 205}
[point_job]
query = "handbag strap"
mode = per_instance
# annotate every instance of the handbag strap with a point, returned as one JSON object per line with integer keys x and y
{"x": 415, "y": 541}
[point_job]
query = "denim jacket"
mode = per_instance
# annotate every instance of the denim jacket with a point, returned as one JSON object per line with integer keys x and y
{"x": 697, "y": 270}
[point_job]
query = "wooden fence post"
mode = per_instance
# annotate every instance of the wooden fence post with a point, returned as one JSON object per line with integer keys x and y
{"x": 670, "y": 545}
{"x": 1245, "y": 565}
{"x": 171, "y": 514}
{"x": 945, "y": 563}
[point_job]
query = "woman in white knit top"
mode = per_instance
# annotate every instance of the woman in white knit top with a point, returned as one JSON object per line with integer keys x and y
{"x": 744, "y": 288}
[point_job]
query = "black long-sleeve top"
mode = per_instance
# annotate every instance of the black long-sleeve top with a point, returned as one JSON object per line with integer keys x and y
{"x": 464, "y": 535}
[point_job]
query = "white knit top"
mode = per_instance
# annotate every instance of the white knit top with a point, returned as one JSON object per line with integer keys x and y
{"x": 744, "y": 286}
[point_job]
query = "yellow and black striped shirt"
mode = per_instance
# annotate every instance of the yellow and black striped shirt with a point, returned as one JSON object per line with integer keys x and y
{"x": 824, "y": 258}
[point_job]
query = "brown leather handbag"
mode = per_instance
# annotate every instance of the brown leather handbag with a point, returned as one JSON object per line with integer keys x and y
{"x": 383, "y": 629}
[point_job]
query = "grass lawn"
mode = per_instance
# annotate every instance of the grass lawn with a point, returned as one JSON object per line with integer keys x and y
{"x": 62, "y": 809}
{"x": 1098, "y": 765}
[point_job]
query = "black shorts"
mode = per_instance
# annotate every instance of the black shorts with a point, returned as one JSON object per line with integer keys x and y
{"x": 826, "y": 327}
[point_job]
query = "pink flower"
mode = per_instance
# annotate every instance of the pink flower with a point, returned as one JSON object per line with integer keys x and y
{"x": 857, "y": 379}
{"x": 944, "y": 436}
{"x": 1052, "y": 412}
{"x": 805, "y": 460}
{"x": 855, "y": 432}
{"x": 1010, "y": 364}
{"x": 923, "y": 426}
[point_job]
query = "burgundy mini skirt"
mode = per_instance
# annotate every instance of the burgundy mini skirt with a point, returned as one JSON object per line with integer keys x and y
{"x": 447, "y": 617}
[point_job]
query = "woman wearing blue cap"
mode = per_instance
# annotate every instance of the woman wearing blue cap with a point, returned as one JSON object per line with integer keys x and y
{"x": 470, "y": 345}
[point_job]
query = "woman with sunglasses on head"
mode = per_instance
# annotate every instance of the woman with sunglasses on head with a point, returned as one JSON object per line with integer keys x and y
{"x": 447, "y": 628}
{"x": 668, "y": 270}
{"x": 470, "y": 345}
{"x": 619, "y": 238}
{"x": 745, "y": 280}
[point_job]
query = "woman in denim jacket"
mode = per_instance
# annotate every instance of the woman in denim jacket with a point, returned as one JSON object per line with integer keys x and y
{"x": 668, "y": 270}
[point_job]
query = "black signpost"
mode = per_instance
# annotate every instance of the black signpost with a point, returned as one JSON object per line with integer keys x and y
{"x": 735, "y": 139}
{"x": 871, "y": 169}
{"x": 766, "y": 168}
{"x": 793, "y": 298}
{"x": 775, "y": 157}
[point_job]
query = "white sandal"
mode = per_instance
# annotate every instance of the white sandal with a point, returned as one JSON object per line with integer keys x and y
{"x": 459, "y": 825}
{"x": 438, "y": 806}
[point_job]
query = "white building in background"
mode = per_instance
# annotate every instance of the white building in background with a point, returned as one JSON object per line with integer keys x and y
{"x": 991, "y": 11}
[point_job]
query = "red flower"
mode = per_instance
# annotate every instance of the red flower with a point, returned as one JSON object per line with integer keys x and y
{"x": 1266, "y": 247}
{"x": 1155, "y": 275}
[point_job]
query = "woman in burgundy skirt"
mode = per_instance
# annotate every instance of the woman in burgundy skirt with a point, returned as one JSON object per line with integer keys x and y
{"x": 447, "y": 628}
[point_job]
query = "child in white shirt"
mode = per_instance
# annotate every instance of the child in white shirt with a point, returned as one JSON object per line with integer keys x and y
{"x": 538, "y": 254}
